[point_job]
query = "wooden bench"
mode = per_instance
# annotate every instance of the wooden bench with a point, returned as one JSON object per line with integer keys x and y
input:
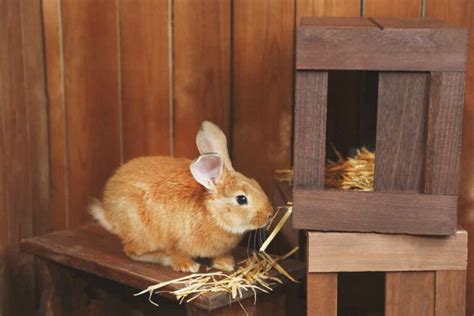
{"x": 84, "y": 271}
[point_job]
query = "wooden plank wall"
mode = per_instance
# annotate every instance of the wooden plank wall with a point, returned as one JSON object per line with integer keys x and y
{"x": 134, "y": 77}
{"x": 24, "y": 174}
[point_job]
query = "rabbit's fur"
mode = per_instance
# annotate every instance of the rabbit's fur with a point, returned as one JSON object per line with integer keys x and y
{"x": 171, "y": 210}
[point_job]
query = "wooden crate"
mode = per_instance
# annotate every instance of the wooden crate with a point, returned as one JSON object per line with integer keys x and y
{"x": 377, "y": 274}
{"x": 417, "y": 67}
{"x": 423, "y": 275}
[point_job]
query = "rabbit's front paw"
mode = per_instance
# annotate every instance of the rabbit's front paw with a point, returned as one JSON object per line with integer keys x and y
{"x": 224, "y": 263}
{"x": 184, "y": 264}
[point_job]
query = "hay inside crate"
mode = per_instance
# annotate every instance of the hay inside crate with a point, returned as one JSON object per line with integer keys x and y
{"x": 352, "y": 173}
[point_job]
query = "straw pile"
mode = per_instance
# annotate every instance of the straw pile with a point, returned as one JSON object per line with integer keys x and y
{"x": 353, "y": 173}
{"x": 253, "y": 274}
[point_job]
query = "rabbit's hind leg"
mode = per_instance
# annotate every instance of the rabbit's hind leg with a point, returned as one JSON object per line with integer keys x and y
{"x": 153, "y": 257}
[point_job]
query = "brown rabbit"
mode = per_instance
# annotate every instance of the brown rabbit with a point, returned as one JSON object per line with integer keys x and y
{"x": 171, "y": 210}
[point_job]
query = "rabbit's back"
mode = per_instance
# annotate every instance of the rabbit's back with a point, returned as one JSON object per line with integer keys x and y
{"x": 146, "y": 196}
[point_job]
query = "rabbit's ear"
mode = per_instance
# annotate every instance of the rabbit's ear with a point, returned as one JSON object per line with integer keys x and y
{"x": 211, "y": 139}
{"x": 207, "y": 170}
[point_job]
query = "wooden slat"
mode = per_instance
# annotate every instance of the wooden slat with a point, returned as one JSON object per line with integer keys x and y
{"x": 450, "y": 293}
{"x": 93, "y": 250}
{"x": 3, "y": 206}
{"x": 310, "y": 128}
{"x": 321, "y": 44}
{"x": 374, "y": 211}
{"x": 144, "y": 47}
{"x": 409, "y": 293}
{"x": 90, "y": 37}
{"x": 326, "y": 8}
{"x": 53, "y": 42}
{"x": 202, "y": 50}
{"x": 263, "y": 35}
{"x": 444, "y": 133}
{"x": 461, "y": 13}
{"x": 37, "y": 116}
{"x": 401, "y": 131}
{"x": 383, "y": 252}
{"x": 321, "y": 294}
{"x": 17, "y": 277}
{"x": 386, "y": 8}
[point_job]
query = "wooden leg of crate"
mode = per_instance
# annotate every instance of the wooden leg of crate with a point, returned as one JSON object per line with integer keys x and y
{"x": 61, "y": 293}
{"x": 322, "y": 294}
{"x": 409, "y": 293}
{"x": 273, "y": 304}
{"x": 450, "y": 293}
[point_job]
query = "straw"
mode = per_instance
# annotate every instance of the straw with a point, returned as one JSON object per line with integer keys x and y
{"x": 252, "y": 274}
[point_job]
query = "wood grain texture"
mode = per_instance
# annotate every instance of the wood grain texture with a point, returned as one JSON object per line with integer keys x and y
{"x": 326, "y": 8}
{"x": 71, "y": 292}
{"x": 450, "y": 293}
{"x": 383, "y": 252}
{"x": 461, "y": 13}
{"x": 310, "y": 128}
{"x": 328, "y": 43}
{"x": 273, "y": 304}
{"x": 409, "y": 293}
{"x": 37, "y": 115}
{"x": 288, "y": 237}
{"x": 263, "y": 35}
{"x": 93, "y": 250}
{"x": 321, "y": 294}
{"x": 401, "y": 131}
{"x": 144, "y": 57}
{"x": 90, "y": 39}
{"x": 444, "y": 133}
{"x": 386, "y": 8}
{"x": 52, "y": 24}
{"x": 374, "y": 211}
{"x": 21, "y": 98}
{"x": 202, "y": 50}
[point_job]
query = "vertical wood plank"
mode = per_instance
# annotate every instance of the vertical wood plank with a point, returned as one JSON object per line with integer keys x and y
{"x": 144, "y": 56}
{"x": 16, "y": 268}
{"x": 409, "y": 293}
{"x": 202, "y": 51}
{"x": 401, "y": 128}
{"x": 92, "y": 99}
{"x": 310, "y": 128}
{"x": 327, "y": 8}
{"x": 37, "y": 116}
{"x": 386, "y": 8}
{"x": 263, "y": 35}
{"x": 53, "y": 42}
{"x": 3, "y": 204}
{"x": 322, "y": 294}
{"x": 444, "y": 133}
{"x": 450, "y": 293}
{"x": 461, "y": 13}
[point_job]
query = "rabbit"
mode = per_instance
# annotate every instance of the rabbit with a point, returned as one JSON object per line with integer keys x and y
{"x": 170, "y": 210}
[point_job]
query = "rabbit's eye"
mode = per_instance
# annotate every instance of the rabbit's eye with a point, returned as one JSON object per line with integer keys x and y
{"x": 241, "y": 199}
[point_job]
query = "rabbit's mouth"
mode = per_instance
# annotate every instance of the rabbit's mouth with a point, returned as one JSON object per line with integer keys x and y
{"x": 261, "y": 221}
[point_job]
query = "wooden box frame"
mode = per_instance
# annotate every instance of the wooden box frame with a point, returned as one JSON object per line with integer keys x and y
{"x": 421, "y": 67}
{"x": 423, "y": 275}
